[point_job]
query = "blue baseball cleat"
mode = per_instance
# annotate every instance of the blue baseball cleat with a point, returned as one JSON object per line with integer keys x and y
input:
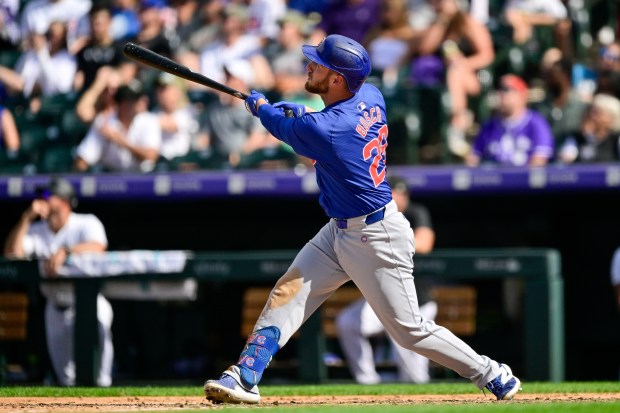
{"x": 228, "y": 389}
{"x": 504, "y": 386}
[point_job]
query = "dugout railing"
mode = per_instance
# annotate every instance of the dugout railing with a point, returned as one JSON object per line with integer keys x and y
{"x": 540, "y": 270}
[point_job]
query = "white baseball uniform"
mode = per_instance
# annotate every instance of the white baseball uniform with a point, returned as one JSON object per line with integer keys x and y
{"x": 41, "y": 242}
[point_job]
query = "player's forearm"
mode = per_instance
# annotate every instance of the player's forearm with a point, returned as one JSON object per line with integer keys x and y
{"x": 87, "y": 247}
{"x": 14, "y": 245}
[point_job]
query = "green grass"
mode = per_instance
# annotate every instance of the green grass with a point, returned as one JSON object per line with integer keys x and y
{"x": 310, "y": 390}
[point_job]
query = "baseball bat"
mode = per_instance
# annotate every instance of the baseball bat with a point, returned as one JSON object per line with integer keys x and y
{"x": 157, "y": 61}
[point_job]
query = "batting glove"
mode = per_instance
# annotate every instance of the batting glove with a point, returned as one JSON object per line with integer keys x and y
{"x": 252, "y": 100}
{"x": 297, "y": 110}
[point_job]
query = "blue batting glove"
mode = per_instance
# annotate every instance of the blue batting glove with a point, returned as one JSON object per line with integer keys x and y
{"x": 297, "y": 110}
{"x": 250, "y": 102}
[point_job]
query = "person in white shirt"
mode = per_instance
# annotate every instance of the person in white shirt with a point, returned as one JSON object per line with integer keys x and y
{"x": 178, "y": 123}
{"x": 47, "y": 69}
{"x": 126, "y": 139}
{"x": 49, "y": 230}
{"x": 38, "y": 15}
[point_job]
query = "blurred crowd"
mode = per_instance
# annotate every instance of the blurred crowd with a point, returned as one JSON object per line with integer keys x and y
{"x": 510, "y": 82}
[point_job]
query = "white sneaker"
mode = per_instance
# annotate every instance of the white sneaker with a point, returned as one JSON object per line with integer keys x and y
{"x": 228, "y": 389}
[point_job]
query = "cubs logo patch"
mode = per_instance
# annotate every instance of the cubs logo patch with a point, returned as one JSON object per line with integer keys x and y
{"x": 261, "y": 340}
{"x": 361, "y": 106}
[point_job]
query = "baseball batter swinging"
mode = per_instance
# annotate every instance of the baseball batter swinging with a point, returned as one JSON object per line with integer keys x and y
{"x": 366, "y": 239}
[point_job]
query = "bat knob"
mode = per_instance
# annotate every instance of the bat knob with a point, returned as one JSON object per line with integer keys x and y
{"x": 289, "y": 113}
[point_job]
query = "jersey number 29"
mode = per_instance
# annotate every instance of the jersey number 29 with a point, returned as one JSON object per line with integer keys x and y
{"x": 378, "y": 147}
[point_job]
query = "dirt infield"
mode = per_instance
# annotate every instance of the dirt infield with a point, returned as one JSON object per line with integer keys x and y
{"x": 120, "y": 404}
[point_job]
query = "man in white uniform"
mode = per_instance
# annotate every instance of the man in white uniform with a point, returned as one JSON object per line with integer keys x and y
{"x": 51, "y": 231}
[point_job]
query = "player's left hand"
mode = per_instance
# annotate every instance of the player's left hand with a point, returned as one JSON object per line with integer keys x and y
{"x": 252, "y": 101}
{"x": 297, "y": 109}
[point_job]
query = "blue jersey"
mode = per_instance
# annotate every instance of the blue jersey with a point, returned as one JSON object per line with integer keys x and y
{"x": 347, "y": 140}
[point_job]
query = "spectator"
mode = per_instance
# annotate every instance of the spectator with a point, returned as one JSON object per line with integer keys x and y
{"x": 264, "y": 17}
{"x": 46, "y": 70}
{"x": 608, "y": 70}
{"x": 234, "y": 44}
{"x": 38, "y": 15}
{"x": 151, "y": 34}
{"x": 125, "y": 21}
{"x": 388, "y": 43}
{"x": 227, "y": 127}
{"x": 99, "y": 97}
{"x": 188, "y": 21}
{"x": 9, "y": 26}
{"x": 598, "y": 138}
{"x": 176, "y": 120}
{"x": 465, "y": 47}
{"x": 101, "y": 50}
{"x": 60, "y": 234}
{"x": 524, "y": 15}
{"x": 351, "y": 18}
{"x": 516, "y": 135}
{"x": 289, "y": 63}
{"x": 126, "y": 139}
{"x": 194, "y": 37}
{"x": 562, "y": 108}
{"x": 9, "y": 135}
{"x": 358, "y": 323}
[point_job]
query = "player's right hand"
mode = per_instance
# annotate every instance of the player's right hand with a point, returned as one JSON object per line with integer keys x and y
{"x": 298, "y": 110}
{"x": 38, "y": 209}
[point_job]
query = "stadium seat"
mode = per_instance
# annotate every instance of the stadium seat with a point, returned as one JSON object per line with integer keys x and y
{"x": 279, "y": 157}
{"x": 9, "y": 58}
{"x": 54, "y": 158}
{"x": 72, "y": 129}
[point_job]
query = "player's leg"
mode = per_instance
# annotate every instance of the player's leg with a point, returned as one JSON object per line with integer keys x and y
{"x": 104, "y": 317}
{"x": 312, "y": 277}
{"x": 356, "y": 323}
{"x": 59, "y": 335}
{"x": 379, "y": 261}
{"x": 413, "y": 367}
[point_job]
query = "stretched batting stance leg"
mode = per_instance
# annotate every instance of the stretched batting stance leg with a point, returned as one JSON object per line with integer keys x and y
{"x": 378, "y": 258}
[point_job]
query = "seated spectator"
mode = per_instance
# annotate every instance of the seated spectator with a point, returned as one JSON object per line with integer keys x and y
{"x": 351, "y": 18}
{"x": 9, "y": 26}
{"x": 453, "y": 49}
{"x": 234, "y": 44}
{"x": 38, "y": 15}
{"x": 264, "y": 17}
{"x": 608, "y": 70}
{"x": 203, "y": 27}
{"x": 125, "y": 21}
{"x": 46, "y": 70}
{"x": 99, "y": 97}
{"x": 101, "y": 50}
{"x": 128, "y": 139}
{"x": 598, "y": 138}
{"x": 524, "y": 15}
{"x": 9, "y": 135}
{"x": 388, "y": 43}
{"x": 561, "y": 106}
{"x": 516, "y": 135}
{"x": 289, "y": 63}
{"x": 227, "y": 128}
{"x": 150, "y": 36}
{"x": 176, "y": 119}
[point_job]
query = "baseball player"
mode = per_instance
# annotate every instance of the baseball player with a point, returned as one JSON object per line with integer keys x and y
{"x": 365, "y": 240}
{"x": 50, "y": 230}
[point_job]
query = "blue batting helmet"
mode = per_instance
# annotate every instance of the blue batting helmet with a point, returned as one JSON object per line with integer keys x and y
{"x": 344, "y": 56}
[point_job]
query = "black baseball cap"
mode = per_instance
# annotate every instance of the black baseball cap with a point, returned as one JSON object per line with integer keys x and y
{"x": 130, "y": 92}
{"x": 59, "y": 187}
